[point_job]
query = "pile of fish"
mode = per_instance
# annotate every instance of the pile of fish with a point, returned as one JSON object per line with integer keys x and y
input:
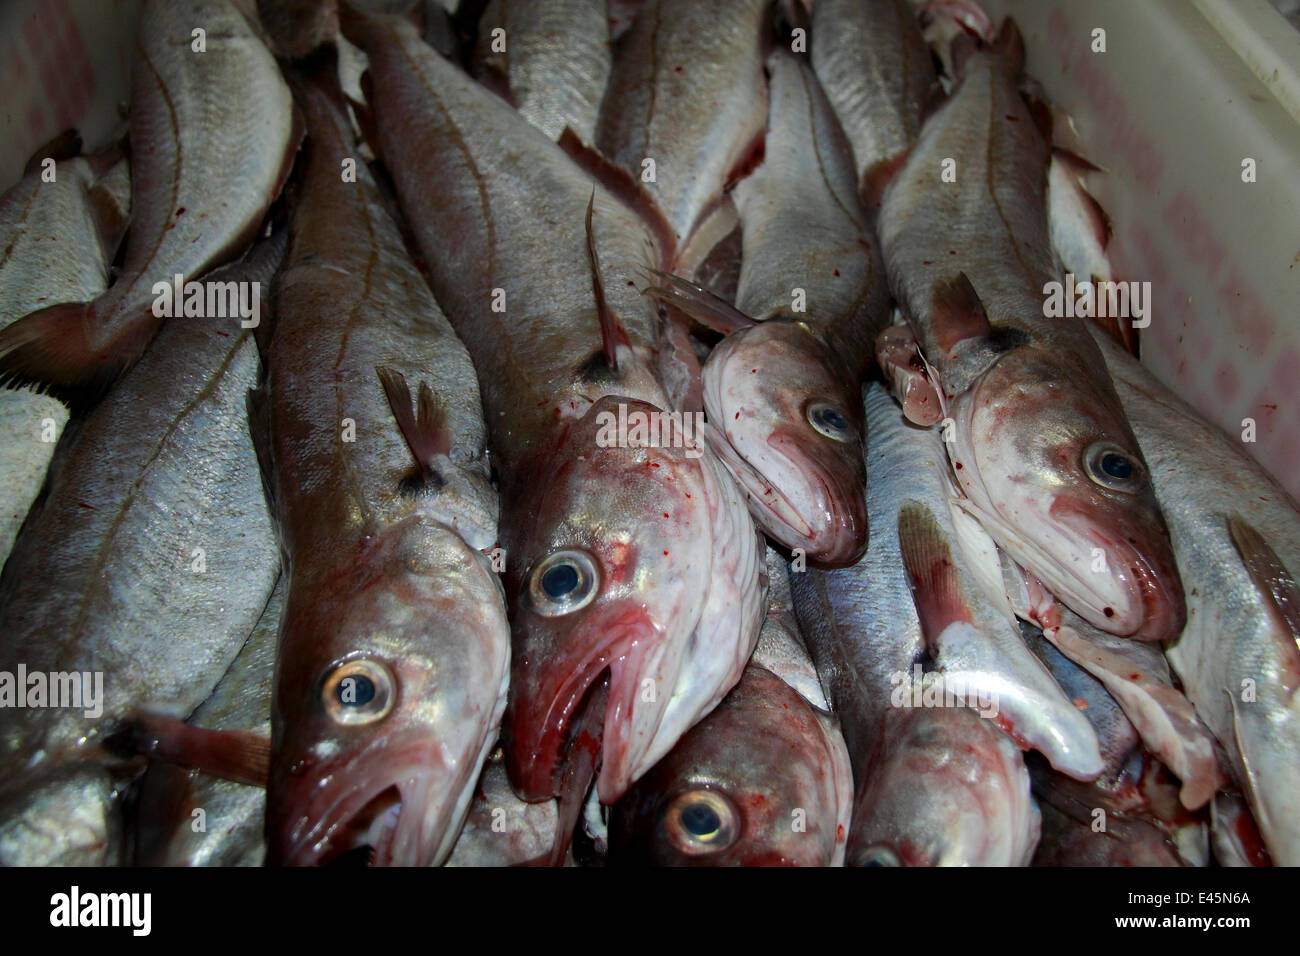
{"x": 600, "y": 432}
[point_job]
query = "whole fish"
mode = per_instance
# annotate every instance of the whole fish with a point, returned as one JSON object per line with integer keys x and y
{"x": 865, "y": 637}
{"x": 552, "y": 58}
{"x": 1236, "y": 535}
{"x": 394, "y": 654}
{"x": 873, "y": 63}
{"x": 144, "y": 566}
{"x": 785, "y": 392}
{"x": 229, "y": 830}
{"x": 625, "y": 554}
{"x": 212, "y": 137}
{"x": 762, "y": 780}
{"x": 50, "y": 252}
{"x": 1039, "y": 442}
{"x": 686, "y": 101}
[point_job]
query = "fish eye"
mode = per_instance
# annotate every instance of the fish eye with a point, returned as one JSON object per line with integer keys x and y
{"x": 830, "y": 421}
{"x": 1110, "y": 466}
{"x": 880, "y": 856}
{"x": 700, "y": 822}
{"x": 563, "y": 582}
{"x": 358, "y": 692}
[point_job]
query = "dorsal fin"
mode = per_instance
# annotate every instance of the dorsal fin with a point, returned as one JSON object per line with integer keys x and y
{"x": 931, "y": 573}
{"x": 625, "y": 188}
{"x": 698, "y": 303}
{"x": 425, "y": 429}
{"x": 612, "y": 333}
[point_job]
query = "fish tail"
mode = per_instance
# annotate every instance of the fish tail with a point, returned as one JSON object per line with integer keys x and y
{"x": 50, "y": 351}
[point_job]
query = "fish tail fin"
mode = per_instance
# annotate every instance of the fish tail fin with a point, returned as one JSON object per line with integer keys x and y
{"x": 424, "y": 428}
{"x": 931, "y": 572}
{"x": 50, "y": 351}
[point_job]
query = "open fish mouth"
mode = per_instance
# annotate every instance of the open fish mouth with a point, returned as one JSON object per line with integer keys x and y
{"x": 390, "y": 806}
{"x": 542, "y": 725}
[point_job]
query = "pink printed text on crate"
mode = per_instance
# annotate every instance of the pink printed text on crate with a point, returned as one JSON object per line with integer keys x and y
{"x": 1219, "y": 384}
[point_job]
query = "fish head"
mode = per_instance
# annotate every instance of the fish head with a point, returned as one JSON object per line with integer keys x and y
{"x": 763, "y": 780}
{"x": 793, "y": 430}
{"x": 946, "y": 788}
{"x": 1052, "y": 470}
{"x": 632, "y": 559}
{"x": 389, "y": 690}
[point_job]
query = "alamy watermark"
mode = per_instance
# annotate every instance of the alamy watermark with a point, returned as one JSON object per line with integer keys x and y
{"x": 79, "y": 690}
{"x": 939, "y": 689}
{"x": 1101, "y": 299}
{"x": 641, "y": 429}
{"x": 210, "y": 300}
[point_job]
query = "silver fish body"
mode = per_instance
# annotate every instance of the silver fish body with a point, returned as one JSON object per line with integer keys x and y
{"x": 394, "y": 653}
{"x": 641, "y": 558}
{"x": 554, "y": 59}
{"x": 152, "y": 532}
{"x": 229, "y": 832}
{"x": 212, "y": 138}
{"x": 964, "y": 231}
{"x": 51, "y": 253}
{"x": 1236, "y": 536}
{"x": 686, "y": 98}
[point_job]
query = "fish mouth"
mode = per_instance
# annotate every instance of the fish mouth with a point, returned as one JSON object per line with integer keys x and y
{"x": 1155, "y": 609}
{"x": 542, "y": 726}
{"x": 389, "y": 806}
{"x": 823, "y": 517}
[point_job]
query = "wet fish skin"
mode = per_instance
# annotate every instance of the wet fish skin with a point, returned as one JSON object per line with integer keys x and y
{"x": 785, "y": 393}
{"x": 49, "y": 252}
{"x": 675, "y": 600}
{"x": 501, "y": 829}
{"x": 233, "y": 813}
{"x": 161, "y": 475}
{"x": 969, "y": 262}
{"x": 871, "y": 59}
{"x": 754, "y": 762}
{"x": 212, "y": 139}
{"x": 687, "y": 91}
{"x": 1207, "y": 485}
{"x": 556, "y": 63}
{"x": 865, "y": 636}
{"x": 1125, "y": 842}
{"x": 382, "y": 536}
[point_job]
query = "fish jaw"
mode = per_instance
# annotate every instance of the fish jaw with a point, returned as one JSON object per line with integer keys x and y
{"x": 806, "y": 489}
{"x": 946, "y": 789}
{"x": 656, "y": 529}
{"x": 1020, "y": 439}
{"x": 426, "y": 615}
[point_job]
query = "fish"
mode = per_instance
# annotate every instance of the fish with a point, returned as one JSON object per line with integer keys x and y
{"x": 873, "y": 63}
{"x": 212, "y": 139}
{"x": 638, "y": 567}
{"x": 969, "y": 626}
{"x": 151, "y": 533}
{"x": 553, "y": 59}
{"x": 394, "y": 654}
{"x": 784, "y": 389}
{"x": 1236, "y": 538}
{"x": 1125, "y": 842}
{"x": 1039, "y": 443}
{"x": 685, "y": 106}
{"x": 501, "y": 829}
{"x": 763, "y": 780}
{"x": 229, "y": 830}
{"x": 866, "y": 638}
{"x": 50, "y": 251}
